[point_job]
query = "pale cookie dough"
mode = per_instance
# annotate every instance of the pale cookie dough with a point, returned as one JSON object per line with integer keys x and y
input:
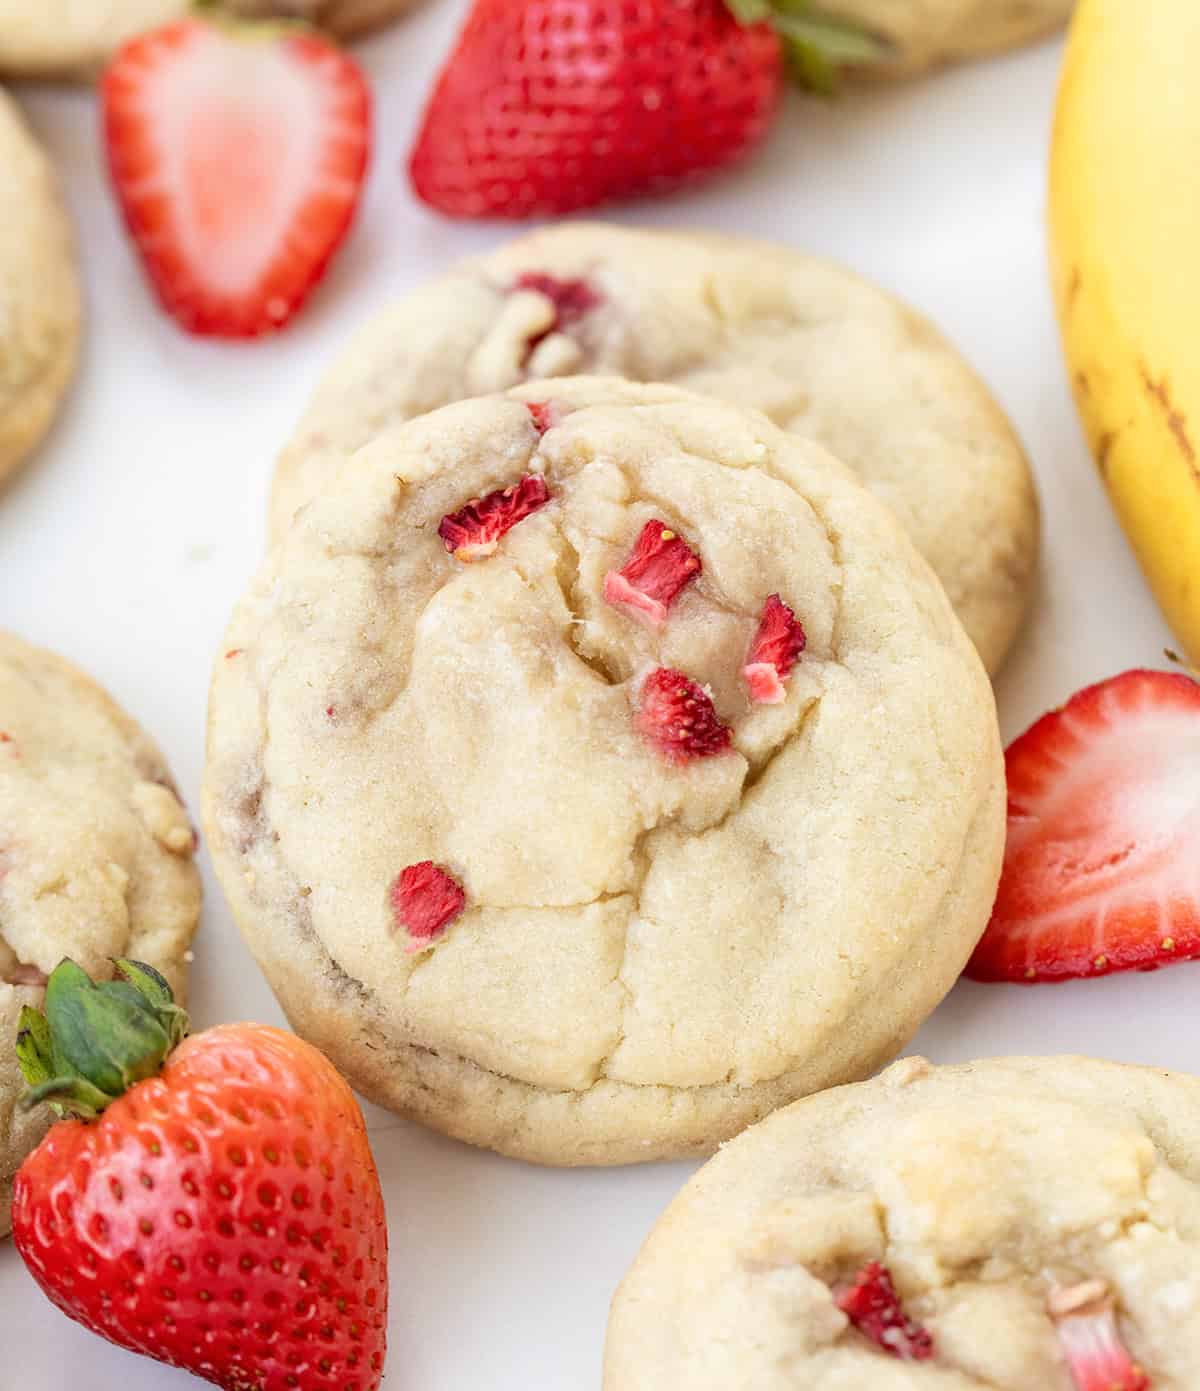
{"x": 651, "y": 955}
{"x": 39, "y": 292}
{"x": 925, "y": 33}
{"x": 998, "y": 1194}
{"x": 819, "y": 350}
{"x": 95, "y": 855}
{"x": 74, "y": 38}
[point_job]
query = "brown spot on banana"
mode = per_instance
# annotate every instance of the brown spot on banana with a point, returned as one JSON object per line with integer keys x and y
{"x": 1160, "y": 395}
{"x": 1103, "y": 448}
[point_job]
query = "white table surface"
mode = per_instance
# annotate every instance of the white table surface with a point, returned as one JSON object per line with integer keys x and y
{"x": 126, "y": 542}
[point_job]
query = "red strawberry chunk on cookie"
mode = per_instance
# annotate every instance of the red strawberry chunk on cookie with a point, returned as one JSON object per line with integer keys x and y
{"x": 678, "y": 718}
{"x": 779, "y": 641}
{"x": 873, "y": 1306}
{"x": 660, "y": 565}
{"x": 474, "y": 531}
{"x": 543, "y": 415}
{"x": 572, "y": 299}
{"x": 425, "y": 900}
{"x": 1103, "y": 836}
{"x": 1090, "y": 1341}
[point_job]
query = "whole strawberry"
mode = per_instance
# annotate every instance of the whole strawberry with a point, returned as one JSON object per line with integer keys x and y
{"x": 222, "y": 1214}
{"x": 546, "y": 106}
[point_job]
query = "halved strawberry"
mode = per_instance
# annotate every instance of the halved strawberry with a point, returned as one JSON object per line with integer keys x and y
{"x": 660, "y": 565}
{"x": 1103, "y": 836}
{"x": 425, "y": 900}
{"x": 1091, "y": 1343}
{"x": 678, "y": 718}
{"x": 779, "y": 641}
{"x": 474, "y": 531}
{"x": 873, "y": 1306}
{"x": 238, "y": 156}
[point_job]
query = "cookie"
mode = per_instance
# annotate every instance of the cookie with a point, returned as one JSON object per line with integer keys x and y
{"x": 996, "y": 1226}
{"x": 555, "y": 843}
{"x": 819, "y": 350}
{"x": 40, "y": 307}
{"x": 926, "y": 33}
{"x": 95, "y": 855}
{"x": 66, "y": 38}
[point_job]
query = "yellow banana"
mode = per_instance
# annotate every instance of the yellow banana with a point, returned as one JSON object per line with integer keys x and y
{"x": 1125, "y": 256}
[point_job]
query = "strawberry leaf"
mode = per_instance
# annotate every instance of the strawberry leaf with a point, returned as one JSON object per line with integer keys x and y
{"x": 818, "y": 46}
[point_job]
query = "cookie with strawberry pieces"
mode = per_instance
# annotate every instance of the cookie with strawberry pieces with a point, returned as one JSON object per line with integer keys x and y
{"x": 1004, "y": 1225}
{"x": 594, "y": 767}
{"x": 96, "y": 855}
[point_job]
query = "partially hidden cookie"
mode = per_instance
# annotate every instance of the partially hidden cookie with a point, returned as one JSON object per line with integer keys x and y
{"x": 74, "y": 38}
{"x": 595, "y": 767}
{"x": 926, "y": 33}
{"x": 1020, "y": 1224}
{"x": 817, "y": 349}
{"x": 95, "y": 855}
{"x": 40, "y": 308}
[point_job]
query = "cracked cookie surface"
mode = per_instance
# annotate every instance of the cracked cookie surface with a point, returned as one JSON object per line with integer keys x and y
{"x": 1002, "y": 1196}
{"x": 40, "y": 306}
{"x": 661, "y": 938}
{"x": 74, "y": 38}
{"x": 95, "y": 855}
{"x": 818, "y": 350}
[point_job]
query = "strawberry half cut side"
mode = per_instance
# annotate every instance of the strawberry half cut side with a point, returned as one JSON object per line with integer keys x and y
{"x": 777, "y": 644}
{"x": 873, "y": 1306}
{"x": 659, "y": 567}
{"x": 1100, "y": 868}
{"x": 677, "y": 716}
{"x": 238, "y": 155}
{"x": 474, "y": 531}
{"x": 425, "y": 899}
{"x": 1091, "y": 1342}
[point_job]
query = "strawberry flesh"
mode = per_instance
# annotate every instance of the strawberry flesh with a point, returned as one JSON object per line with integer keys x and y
{"x": 779, "y": 641}
{"x": 678, "y": 718}
{"x": 1103, "y": 836}
{"x": 873, "y": 1307}
{"x": 572, "y": 299}
{"x": 660, "y": 565}
{"x": 238, "y": 161}
{"x": 474, "y": 531}
{"x": 1095, "y": 1354}
{"x": 543, "y": 415}
{"x": 425, "y": 900}
{"x": 551, "y": 105}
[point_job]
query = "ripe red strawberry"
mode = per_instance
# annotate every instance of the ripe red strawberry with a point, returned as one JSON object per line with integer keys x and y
{"x": 873, "y": 1307}
{"x": 222, "y": 1214}
{"x": 659, "y": 567}
{"x": 678, "y": 718}
{"x": 779, "y": 641}
{"x": 1088, "y": 1335}
{"x": 425, "y": 899}
{"x": 238, "y": 157}
{"x": 546, "y": 106}
{"x": 1103, "y": 836}
{"x": 474, "y": 531}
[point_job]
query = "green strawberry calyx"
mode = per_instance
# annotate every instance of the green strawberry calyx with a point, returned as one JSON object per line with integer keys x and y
{"x": 818, "y": 45}
{"x": 96, "y": 1039}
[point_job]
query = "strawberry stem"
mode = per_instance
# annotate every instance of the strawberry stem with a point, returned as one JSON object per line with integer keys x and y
{"x": 818, "y": 45}
{"x": 96, "y": 1039}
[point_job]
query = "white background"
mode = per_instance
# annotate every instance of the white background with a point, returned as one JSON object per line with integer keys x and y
{"x": 125, "y": 543}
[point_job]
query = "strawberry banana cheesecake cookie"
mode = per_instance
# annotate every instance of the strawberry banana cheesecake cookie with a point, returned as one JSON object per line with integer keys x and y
{"x": 597, "y": 767}
{"x": 817, "y": 349}
{"x": 95, "y": 855}
{"x": 1022, "y": 1224}
{"x": 56, "y": 38}
{"x": 39, "y": 292}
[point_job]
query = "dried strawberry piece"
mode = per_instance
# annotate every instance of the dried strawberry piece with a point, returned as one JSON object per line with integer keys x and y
{"x": 873, "y": 1307}
{"x": 660, "y": 565}
{"x": 474, "y": 531}
{"x": 779, "y": 641}
{"x": 1088, "y": 1335}
{"x": 678, "y": 718}
{"x": 543, "y": 415}
{"x": 425, "y": 898}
